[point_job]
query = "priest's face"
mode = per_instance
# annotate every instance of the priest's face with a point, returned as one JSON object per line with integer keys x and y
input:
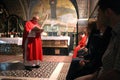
{"x": 35, "y": 19}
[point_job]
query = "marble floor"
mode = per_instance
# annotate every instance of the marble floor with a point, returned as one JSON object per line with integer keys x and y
{"x": 51, "y": 68}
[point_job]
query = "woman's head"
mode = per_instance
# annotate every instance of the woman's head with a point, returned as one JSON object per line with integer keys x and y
{"x": 92, "y": 26}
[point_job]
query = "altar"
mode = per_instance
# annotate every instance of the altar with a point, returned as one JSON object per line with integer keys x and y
{"x": 56, "y": 45}
{"x": 16, "y": 40}
{"x": 52, "y": 45}
{"x": 11, "y": 45}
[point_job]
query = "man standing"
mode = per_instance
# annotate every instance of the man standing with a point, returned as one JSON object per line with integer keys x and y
{"x": 32, "y": 44}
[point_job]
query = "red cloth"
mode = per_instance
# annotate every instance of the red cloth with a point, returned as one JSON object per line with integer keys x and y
{"x": 32, "y": 46}
{"x": 81, "y": 44}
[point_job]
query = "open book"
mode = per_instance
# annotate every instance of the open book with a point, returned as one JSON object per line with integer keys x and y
{"x": 34, "y": 30}
{"x": 37, "y": 29}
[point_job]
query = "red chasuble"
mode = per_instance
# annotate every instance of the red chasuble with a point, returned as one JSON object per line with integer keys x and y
{"x": 32, "y": 43}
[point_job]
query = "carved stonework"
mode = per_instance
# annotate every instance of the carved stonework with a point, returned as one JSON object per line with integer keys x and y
{"x": 83, "y": 8}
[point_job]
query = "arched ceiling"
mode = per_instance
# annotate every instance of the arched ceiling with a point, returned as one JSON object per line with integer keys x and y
{"x": 85, "y": 7}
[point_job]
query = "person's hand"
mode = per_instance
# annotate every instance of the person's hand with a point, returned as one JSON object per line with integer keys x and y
{"x": 81, "y": 56}
{"x": 82, "y": 63}
{"x": 86, "y": 50}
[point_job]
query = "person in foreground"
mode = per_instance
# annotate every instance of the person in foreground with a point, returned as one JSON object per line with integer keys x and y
{"x": 109, "y": 13}
{"x": 32, "y": 44}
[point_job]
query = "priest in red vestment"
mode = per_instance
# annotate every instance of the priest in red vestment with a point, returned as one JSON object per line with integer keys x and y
{"x": 32, "y": 44}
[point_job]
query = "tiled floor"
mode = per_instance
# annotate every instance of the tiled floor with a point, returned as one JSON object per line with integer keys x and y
{"x": 52, "y": 68}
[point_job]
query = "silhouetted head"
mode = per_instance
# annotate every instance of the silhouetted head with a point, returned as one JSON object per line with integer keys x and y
{"x": 35, "y": 18}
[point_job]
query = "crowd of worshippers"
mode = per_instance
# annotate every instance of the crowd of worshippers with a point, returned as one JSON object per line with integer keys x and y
{"x": 87, "y": 55}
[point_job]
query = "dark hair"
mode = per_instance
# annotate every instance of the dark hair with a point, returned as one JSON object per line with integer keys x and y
{"x": 81, "y": 33}
{"x": 92, "y": 27}
{"x": 112, "y": 4}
